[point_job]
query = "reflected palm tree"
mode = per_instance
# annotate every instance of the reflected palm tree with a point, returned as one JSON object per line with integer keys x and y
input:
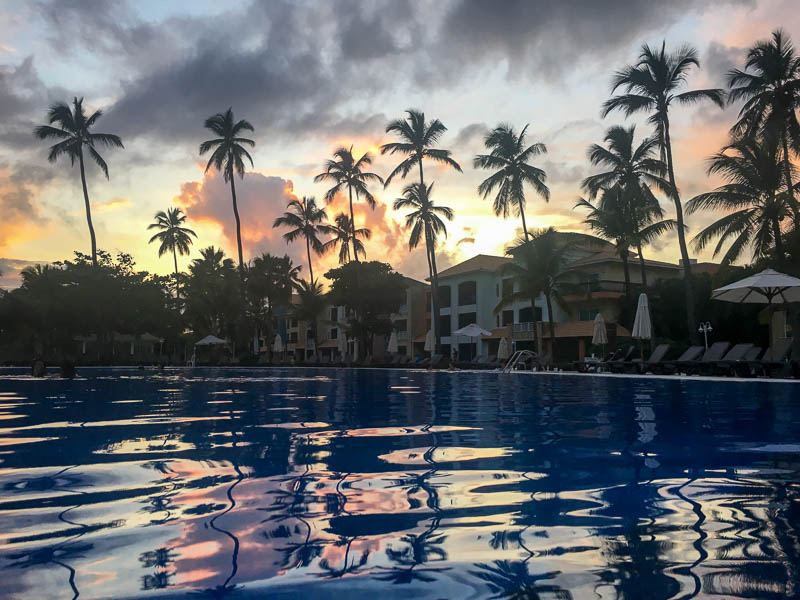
{"x": 159, "y": 559}
{"x": 417, "y": 550}
{"x": 512, "y": 579}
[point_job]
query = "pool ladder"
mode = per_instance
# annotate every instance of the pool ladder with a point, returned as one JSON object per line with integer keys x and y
{"x": 518, "y": 356}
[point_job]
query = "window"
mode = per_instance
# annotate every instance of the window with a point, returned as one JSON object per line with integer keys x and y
{"x": 444, "y": 325}
{"x": 588, "y": 314}
{"x": 334, "y": 313}
{"x": 526, "y": 315}
{"x": 508, "y": 317}
{"x": 444, "y": 296}
{"x": 467, "y": 293}
{"x": 401, "y": 325}
{"x": 334, "y": 333}
{"x": 508, "y": 287}
{"x": 292, "y": 322}
{"x": 293, "y": 337}
{"x": 465, "y": 319}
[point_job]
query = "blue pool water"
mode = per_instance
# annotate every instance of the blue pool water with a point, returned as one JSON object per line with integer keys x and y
{"x": 337, "y": 484}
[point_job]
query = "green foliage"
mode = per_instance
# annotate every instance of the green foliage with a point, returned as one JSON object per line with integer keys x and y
{"x": 370, "y": 292}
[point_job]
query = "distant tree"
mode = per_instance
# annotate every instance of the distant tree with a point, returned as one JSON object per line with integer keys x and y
{"x": 651, "y": 85}
{"x": 306, "y": 220}
{"x": 770, "y": 89}
{"x": 342, "y": 232}
{"x": 228, "y": 157}
{"x": 311, "y": 302}
{"x": 509, "y": 158}
{"x": 212, "y": 293}
{"x": 426, "y": 220}
{"x": 371, "y": 292}
{"x": 74, "y": 134}
{"x": 270, "y": 283}
{"x": 345, "y": 172}
{"x": 755, "y": 200}
{"x": 172, "y": 237}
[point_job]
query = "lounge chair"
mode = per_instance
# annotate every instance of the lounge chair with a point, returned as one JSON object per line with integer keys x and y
{"x": 617, "y": 358}
{"x": 682, "y": 362}
{"x": 714, "y": 354}
{"x": 643, "y": 366}
{"x": 727, "y": 366}
{"x": 436, "y": 361}
{"x": 773, "y": 363}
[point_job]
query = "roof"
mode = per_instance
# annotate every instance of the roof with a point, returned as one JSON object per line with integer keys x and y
{"x": 611, "y": 256}
{"x": 479, "y": 262}
{"x": 415, "y": 282}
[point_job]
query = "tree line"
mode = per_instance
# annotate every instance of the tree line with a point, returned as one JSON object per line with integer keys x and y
{"x": 622, "y": 199}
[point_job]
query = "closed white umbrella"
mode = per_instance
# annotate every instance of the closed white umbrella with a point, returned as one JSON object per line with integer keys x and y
{"x": 277, "y": 344}
{"x": 392, "y": 347}
{"x": 642, "y": 327}
{"x": 503, "y": 351}
{"x": 429, "y": 341}
{"x": 599, "y": 334}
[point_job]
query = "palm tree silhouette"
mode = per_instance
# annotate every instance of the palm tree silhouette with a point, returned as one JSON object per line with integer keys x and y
{"x": 342, "y": 232}
{"x": 74, "y": 133}
{"x": 509, "y": 157}
{"x": 512, "y": 579}
{"x": 425, "y": 219}
{"x": 636, "y": 171}
{"x": 306, "y": 219}
{"x": 770, "y": 88}
{"x": 651, "y": 85}
{"x": 755, "y": 198}
{"x": 227, "y": 157}
{"x": 347, "y": 172}
{"x": 172, "y": 236}
{"x": 629, "y": 217}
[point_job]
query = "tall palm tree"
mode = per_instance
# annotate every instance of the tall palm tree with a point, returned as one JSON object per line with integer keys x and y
{"x": 172, "y": 236}
{"x": 770, "y": 88}
{"x": 307, "y": 220}
{"x": 509, "y": 158}
{"x": 347, "y": 172}
{"x": 228, "y": 157}
{"x": 539, "y": 268}
{"x": 73, "y": 132}
{"x": 425, "y": 219}
{"x": 416, "y": 140}
{"x": 755, "y": 199}
{"x": 342, "y": 232}
{"x": 652, "y": 85}
{"x": 635, "y": 171}
{"x": 630, "y": 218}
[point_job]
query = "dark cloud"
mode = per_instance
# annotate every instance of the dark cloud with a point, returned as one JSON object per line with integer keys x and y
{"x": 472, "y": 134}
{"x": 562, "y": 172}
{"x": 11, "y": 269}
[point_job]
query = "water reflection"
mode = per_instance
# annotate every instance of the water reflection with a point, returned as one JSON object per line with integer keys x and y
{"x": 220, "y": 483}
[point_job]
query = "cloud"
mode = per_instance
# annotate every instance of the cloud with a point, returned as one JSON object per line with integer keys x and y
{"x": 115, "y": 203}
{"x": 19, "y": 187}
{"x": 10, "y": 271}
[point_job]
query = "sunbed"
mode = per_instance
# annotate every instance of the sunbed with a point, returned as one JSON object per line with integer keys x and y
{"x": 671, "y": 366}
{"x": 714, "y": 354}
{"x": 619, "y": 357}
{"x": 774, "y": 362}
{"x": 727, "y": 366}
{"x": 643, "y": 366}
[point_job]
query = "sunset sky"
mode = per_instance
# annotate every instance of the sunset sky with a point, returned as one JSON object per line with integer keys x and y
{"x": 312, "y": 76}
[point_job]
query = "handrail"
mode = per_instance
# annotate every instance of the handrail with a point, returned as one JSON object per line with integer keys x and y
{"x": 516, "y": 358}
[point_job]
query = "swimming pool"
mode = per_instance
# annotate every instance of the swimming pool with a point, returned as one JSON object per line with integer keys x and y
{"x": 324, "y": 483}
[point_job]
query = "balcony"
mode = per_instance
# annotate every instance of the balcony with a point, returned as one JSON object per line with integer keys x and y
{"x": 598, "y": 288}
{"x": 402, "y": 336}
{"x": 523, "y": 331}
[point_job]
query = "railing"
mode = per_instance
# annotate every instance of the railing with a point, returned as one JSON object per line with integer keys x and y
{"x": 402, "y": 336}
{"x": 600, "y": 285}
{"x": 516, "y": 358}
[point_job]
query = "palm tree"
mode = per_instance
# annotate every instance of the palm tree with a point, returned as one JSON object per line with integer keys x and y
{"x": 227, "y": 157}
{"x": 306, "y": 220}
{"x": 417, "y": 136}
{"x": 311, "y": 303}
{"x": 630, "y": 218}
{"x": 651, "y": 85}
{"x": 210, "y": 305}
{"x": 755, "y": 198}
{"x": 172, "y": 236}
{"x": 636, "y": 171}
{"x": 425, "y": 219}
{"x": 509, "y": 157}
{"x": 73, "y": 130}
{"x": 539, "y": 268}
{"x": 342, "y": 232}
{"x": 347, "y": 172}
{"x": 770, "y": 88}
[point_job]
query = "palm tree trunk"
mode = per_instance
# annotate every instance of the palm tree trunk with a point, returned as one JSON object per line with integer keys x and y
{"x": 552, "y": 327}
{"x": 641, "y": 264}
{"x": 524, "y": 225}
{"x": 88, "y": 209}
{"x": 787, "y": 173}
{"x": 352, "y": 223}
{"x": 310, "y": 268}
{"x": 175, "y": 260}
{"x": 688, "y": 284}
{"x": 626, "y": 270}
{"x": 776, "y": 231}
{"x": 238, "y": 226}
{"x": 430, "y": 251}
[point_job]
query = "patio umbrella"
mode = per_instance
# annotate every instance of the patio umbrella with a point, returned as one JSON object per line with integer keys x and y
{"x": 642, "y": 327}
{"x": 277, "y": 344}
{"x": 429, "y": 341}
{"x": 502, "y": 350}
{"x": 392, "y": 348}
{"x": 210, "y": 340}
{"x": 599, "y": 334}
{"x": 767, "y": 287}
{"x": 472, "y": 330}
{"x": 341, "y": 344}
